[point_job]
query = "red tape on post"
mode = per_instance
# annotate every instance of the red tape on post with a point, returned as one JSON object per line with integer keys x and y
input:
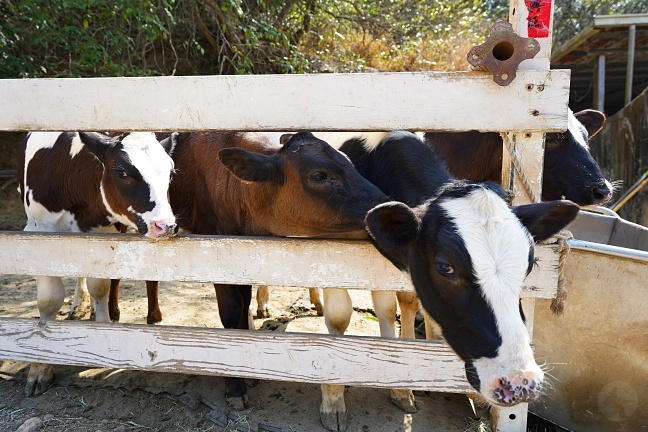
{"x": 539, "y": 19}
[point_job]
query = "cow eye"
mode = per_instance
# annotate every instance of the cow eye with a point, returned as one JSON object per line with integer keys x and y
{"x": 445, "y": 269}
{"x": 443, "y": 265}
{"x": 319, "y": 176}
{"x": 121, "y": 174}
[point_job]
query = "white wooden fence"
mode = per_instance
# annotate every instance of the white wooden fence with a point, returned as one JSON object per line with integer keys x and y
{"x": 535, "y": 102}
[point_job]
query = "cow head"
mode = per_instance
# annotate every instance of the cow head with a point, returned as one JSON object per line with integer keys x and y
{"x": 468, "y": 255}
{"x": 308, "y": 187}
{"x": 135, "y": 181}
{"x": 570, "y": 171}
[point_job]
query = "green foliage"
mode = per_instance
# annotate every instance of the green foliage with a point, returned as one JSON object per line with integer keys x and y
{"x": 72, "y": 38}
{"x": 78, "y": 38}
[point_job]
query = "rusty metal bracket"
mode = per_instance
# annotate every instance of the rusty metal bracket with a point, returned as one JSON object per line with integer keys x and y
{"x": 502, "y": 52}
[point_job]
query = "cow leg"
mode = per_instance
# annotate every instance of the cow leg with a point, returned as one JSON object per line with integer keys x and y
{"x": 337, "y": 316}
{"x": 50, "y": 297}
{"x": 233, "y": 308}
{"x": 99, "y": 290}
{"x": 316, "y": 299}
{"x": 263, "y": 295}
{"x": 409, "y": 304}
{"x": 152, "y": 294}
{"x": 81, "y": 301}
{"x": 113, "y": 300}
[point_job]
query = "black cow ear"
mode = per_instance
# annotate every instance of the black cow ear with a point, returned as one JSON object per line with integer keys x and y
{"x": 97, "y": 143}
{"x": 250, "y": 166}
{"x": 169, "y": 143}
{"x": 285, "y": 138}
{"x": 545, "y": 219}
{"x": 393, "y": 226}
{"x": 592, "y": 120}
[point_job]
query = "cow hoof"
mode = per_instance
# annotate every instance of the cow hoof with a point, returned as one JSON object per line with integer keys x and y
{"x": 39, "y": 378}
{"x": 335, "y": 421}
{"x": 238, "y": 403}
{"x": 155, "y": 318}
{"x": 404, "y": 399}
{"x": 263, "y": 313}
{"x": 252, "y": 382}
{"x": 77, "y": 313}
{"x": 114, "y": 315}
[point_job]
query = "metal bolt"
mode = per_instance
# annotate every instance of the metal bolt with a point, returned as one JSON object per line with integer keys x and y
{"x": 504, "y": 76}
{"x": 540, "y": 87}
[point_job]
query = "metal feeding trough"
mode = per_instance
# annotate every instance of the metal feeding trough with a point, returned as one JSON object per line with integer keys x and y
{"x": 598, "y": 350}
{"x": 503, "y": 52}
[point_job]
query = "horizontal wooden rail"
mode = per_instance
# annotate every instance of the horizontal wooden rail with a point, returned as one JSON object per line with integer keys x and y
{"x": 534, "y": 101}
{"x": 350, "y": 360}
{"x": 221, "y": 259}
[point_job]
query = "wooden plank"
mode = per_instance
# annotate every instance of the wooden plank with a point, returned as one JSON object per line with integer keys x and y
{"x": 599, "y": 87}
{"x": 528, "y": 152}
{"x": 349, "y": 360}
{"x": 348, "y": 102}
{"x": 243, "y": 260}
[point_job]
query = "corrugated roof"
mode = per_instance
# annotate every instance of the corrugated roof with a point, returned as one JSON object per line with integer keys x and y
{"x": 607, "y": 35}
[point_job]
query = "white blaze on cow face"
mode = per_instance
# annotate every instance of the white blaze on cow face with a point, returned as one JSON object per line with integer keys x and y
{"x": 155, "y": 167}
{"x": 499, "y": 248}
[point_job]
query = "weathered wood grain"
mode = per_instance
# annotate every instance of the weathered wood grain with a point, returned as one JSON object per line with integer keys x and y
{"x": 347, "y": 102}
{"x": 243, "y": 260}
{"x": 350, "y": 360}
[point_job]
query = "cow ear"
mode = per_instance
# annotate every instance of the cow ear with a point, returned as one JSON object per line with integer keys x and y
{"x": 96, "y": 143}
{"x": 592, "y": 120}
{"x": 169, "y": 143}
{"x": 250, "y": 166}
{"x": 545, "y": 219}
{"x": 284, "y": 138}
{"x": 393, "y": 226}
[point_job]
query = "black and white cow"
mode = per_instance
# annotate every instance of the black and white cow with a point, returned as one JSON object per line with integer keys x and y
{"x": 467, "y": 253}
{"x": 89, "y": 182}
{"x": 570, "y": 172}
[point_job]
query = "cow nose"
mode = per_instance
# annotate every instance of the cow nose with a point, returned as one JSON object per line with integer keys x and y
{"x": 522, "y": 387}
{"x": 601, "y": 192}
{"x": 162, "y": 229}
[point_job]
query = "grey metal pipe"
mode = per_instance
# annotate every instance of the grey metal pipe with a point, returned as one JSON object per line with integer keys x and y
{"x": 603, "y": 249}
{"x": 632, "y": 34}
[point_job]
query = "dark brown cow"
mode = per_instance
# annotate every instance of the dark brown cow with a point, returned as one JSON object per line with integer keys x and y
{"x": 242, "y": 184}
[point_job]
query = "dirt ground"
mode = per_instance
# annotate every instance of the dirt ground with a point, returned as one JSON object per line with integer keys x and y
{"x": 97, "y": 399}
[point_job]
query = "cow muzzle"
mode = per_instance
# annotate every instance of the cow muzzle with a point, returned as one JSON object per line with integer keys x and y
{"x": 162, "y": 229}
{"x": 521, "y": 386}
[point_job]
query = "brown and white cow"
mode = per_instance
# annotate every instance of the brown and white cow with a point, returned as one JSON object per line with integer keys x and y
{"x": 89, "y": 182}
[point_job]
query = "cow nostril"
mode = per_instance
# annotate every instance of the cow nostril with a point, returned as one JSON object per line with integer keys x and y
{"x": 600, "y": 192}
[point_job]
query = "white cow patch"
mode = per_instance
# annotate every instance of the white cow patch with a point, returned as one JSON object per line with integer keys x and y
{"x": 577, "y": 130}
{"x": 41, "y": 219}
{"x": 155, "y": 167}
{"x": 499, "y": 248}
